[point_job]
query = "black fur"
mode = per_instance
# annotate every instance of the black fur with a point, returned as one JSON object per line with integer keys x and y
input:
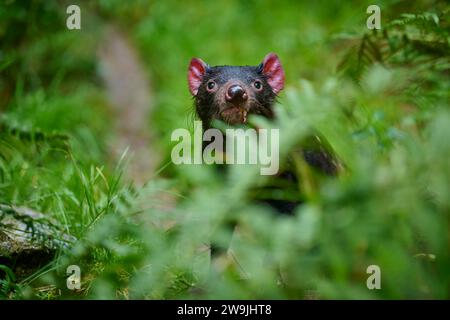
{"x": 208, "y": 105}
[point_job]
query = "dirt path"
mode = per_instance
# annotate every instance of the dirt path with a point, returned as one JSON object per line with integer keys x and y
{"x": 129, "y": 92}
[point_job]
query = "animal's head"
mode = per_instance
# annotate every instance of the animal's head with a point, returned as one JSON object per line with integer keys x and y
{"x": 231, "y": 93}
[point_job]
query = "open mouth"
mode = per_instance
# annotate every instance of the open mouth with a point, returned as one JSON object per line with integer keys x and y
{"x": 234, "y": 115}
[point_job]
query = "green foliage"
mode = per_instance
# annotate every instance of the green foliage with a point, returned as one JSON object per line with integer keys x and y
{"x": 418, "y": 43}
{"x": 385, "y": 112}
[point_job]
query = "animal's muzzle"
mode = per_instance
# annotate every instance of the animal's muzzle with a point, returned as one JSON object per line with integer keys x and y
{"x": 236, "y": 95}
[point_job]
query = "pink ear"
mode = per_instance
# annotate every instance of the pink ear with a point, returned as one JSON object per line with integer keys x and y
{"x": 271, "y": 67}
{"x": 196, "y": 71}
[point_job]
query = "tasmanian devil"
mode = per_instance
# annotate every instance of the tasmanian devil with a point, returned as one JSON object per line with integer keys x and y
{"x": 232, "y": 93}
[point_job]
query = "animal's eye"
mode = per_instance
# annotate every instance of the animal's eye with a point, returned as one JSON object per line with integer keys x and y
{"x": 211, "y": 85}
{"x": 257, "y": 84}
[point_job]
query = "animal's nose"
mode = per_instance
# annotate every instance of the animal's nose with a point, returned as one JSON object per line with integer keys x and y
{"x": 236, "y": 94}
